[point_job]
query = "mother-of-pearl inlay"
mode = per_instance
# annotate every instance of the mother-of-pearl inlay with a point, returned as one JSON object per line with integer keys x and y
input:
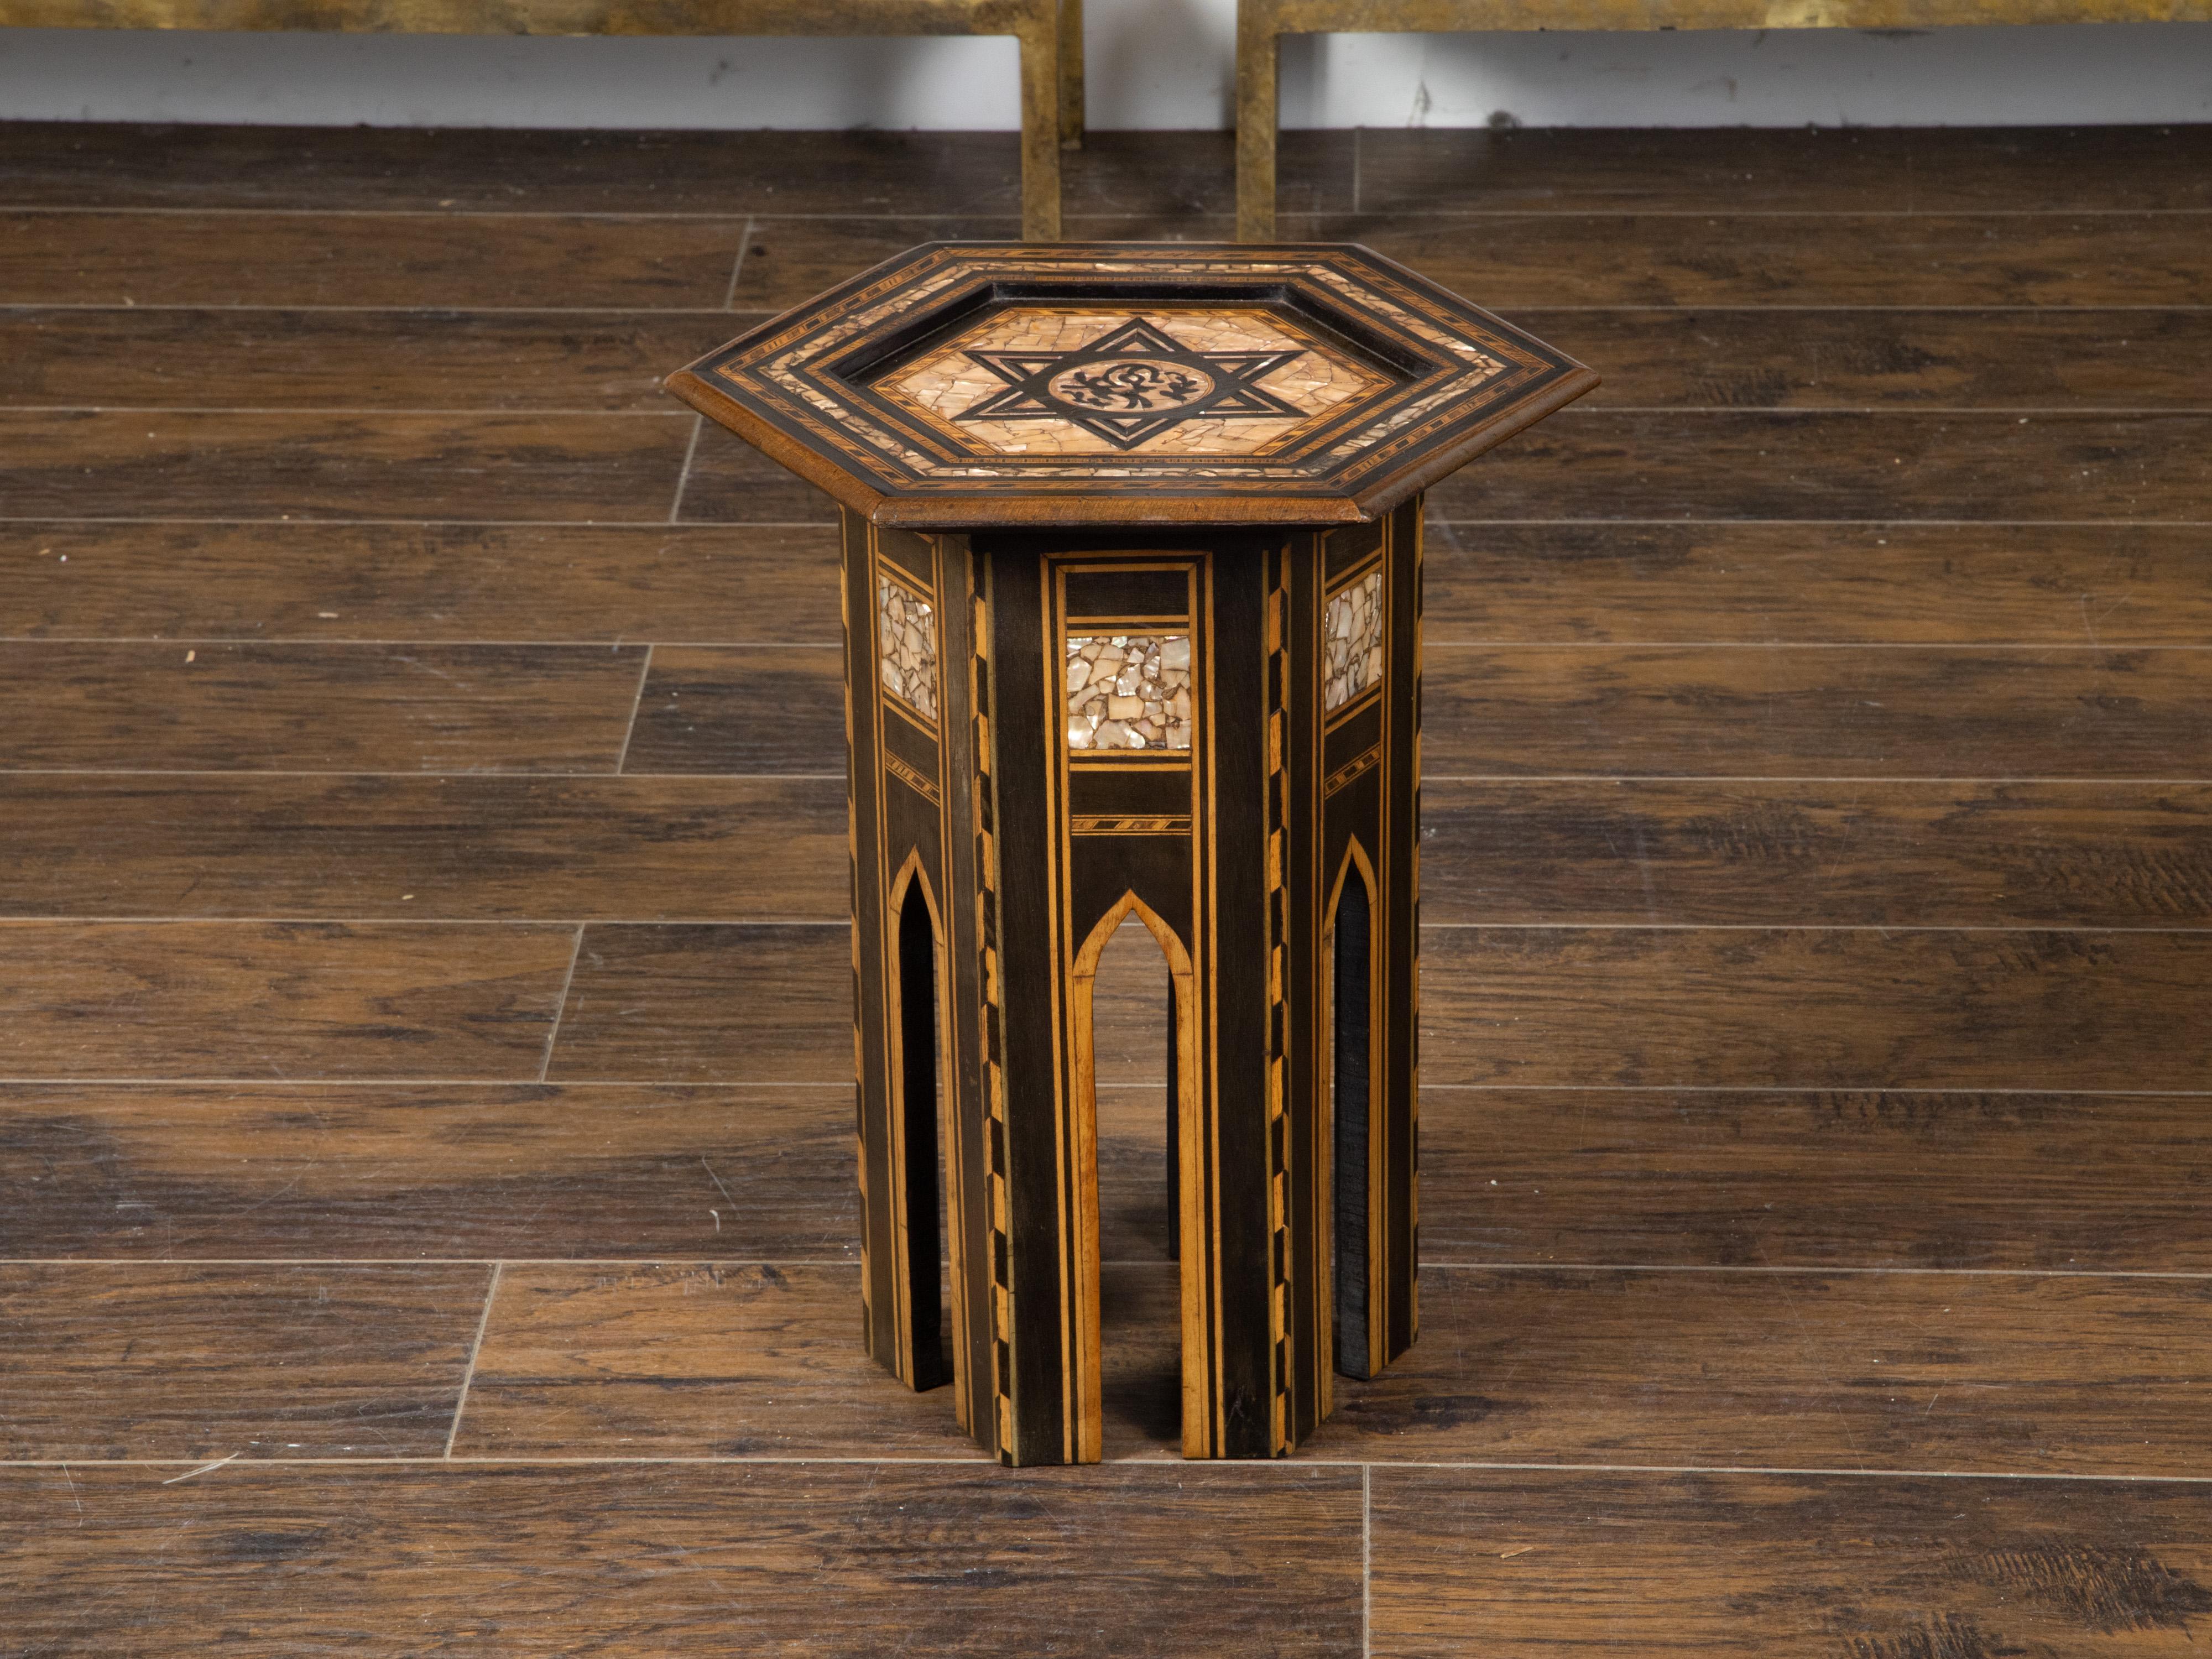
{"x": 1129, "y": 691}
{"x": 1352, "y": 642}
{"x": 1245, "y": 377}
{"x": 906, "y": 646}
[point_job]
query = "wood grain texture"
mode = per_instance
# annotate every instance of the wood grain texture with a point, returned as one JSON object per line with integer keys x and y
{"x": 1792, "y": 258}
{"x": 1611, "y": 711}
{"x": 1959, "y": 712}
{"x": 1811, "y": 1008}
{"x": 515, "y": 1171}
{"x": 704, "y": 1004}
{"x": 716, "y": 709}
{"x": 1411, "y": 171}
{"x": 1795, "y": 1008}
{"x": 1238, "y": 1562}
{"x": 1977, "y": 654}
{"x": 1755, "y": 1178}
{"x": 2104, "y": 854}
{"x": 1887, "y": 465}
{"x": 721, "y": 1360}
{"x": 1742, "y": 357}
{"x": 744, "y": 1359}
{"x": 172, "y": 464}
{"x": 278, "y": 1000}
{"x": 1784, "y": 1567}
{"x": 1510, "y": 262}
{"x": 1851, "y": 1371}
{"x": 1842, "y": 170}
{"x": 733, "y": 483}
{"x": 421, "y": 582}
{"x": 462, "y": 846}
{"x": 1816, "y": 583}
{"x": 1652, "y": 583}
{"x": 306, "y": 1172}
{"x": 1647, "y": 1177}
{"x": 313, "y": 258}
{"x": 1748, "y": 358}
{"x": 179, "y": 707}
{"x": 789, "y": 261}
{"x": 220, "y": 356}
{"x": 1598, "y": 1365}
{"x": 1135, "y": 1225}
{"x": 160, "y": 1360}
{"x": 716, "y": 174}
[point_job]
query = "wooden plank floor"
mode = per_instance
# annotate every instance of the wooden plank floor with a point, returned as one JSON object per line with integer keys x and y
{"x": 426, "y": 1211}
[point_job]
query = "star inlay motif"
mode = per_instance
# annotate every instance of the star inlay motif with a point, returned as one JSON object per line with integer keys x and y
{"x": 1131, "y": 383}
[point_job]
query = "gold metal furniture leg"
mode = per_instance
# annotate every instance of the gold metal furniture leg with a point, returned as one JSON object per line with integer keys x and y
{"x": 1071, "y": 74}
{"x": 1258, "y": 47}
{"x": 1041, "y": 111}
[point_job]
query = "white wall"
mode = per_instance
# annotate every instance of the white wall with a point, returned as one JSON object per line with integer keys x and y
{"x": 1154, "y": 64}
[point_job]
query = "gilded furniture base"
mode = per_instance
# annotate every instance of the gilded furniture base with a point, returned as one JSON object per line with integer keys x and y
{"x": 1261, "y": 25}
{"x": 1050, "y": 31}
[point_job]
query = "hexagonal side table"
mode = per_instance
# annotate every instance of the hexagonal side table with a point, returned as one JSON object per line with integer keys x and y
{"x": 1132, "y": 583}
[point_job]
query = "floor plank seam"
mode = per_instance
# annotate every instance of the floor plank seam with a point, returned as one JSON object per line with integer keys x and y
{"x": 2080, "y": 780}
{"x": 386, "y": 1081}
{"x": 337, "y": 642}
{"x": 1784, "y": 777}
{"x": 407, "y": 1081}
{"x": 767, "y": 312}
{"x": 683, "y": 473}
{"x": 447, "y": 411}
{"x": 1815, "y": 1089}
{"x": 667, "y": 1258}
{"x": 637, "y": 698}
{"x": 2019, "y": 414}
{"x": 1462, "y": 642}
{"x": 1366, "y": 1560}
{"x": 312, "y": 918}
{"x": 312, "y": 522}
{"x": 738, "y": 267}
{"x": 476, "y": 1347}
{"x": 561, "y": 1003}
{"x": 329, "y": 641}
{"x": 231, "y": 306}
{"x": 395, "y": 920}
{"x": 1284, "y": 1469}
{"x": 1396, "y": 214}
{"x": 443, "y": 774}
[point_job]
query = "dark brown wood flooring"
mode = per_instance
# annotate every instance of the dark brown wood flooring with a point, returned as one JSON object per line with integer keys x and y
{"x": 426, "y": 1207}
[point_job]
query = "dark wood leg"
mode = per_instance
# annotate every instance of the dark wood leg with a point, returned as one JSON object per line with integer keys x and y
{"x": 1370, "y": 762}
{"x": 1089, "y": 829}
{"x": 914, "y": 965}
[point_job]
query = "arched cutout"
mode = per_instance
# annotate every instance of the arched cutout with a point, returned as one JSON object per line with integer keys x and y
{"x": 1086, "y": 1411}
{"x": 1354, "y": 1106}
{"x": 916, "y": 1021}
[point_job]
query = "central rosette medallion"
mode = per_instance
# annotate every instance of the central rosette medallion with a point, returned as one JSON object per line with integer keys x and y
{"x": 1137, "y": 384}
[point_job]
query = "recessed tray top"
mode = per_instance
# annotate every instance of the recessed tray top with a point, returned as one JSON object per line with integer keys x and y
{"x": 970, "y": 384}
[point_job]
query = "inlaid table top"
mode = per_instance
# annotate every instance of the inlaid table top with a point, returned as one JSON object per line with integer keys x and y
{"x": 1004, "y": 383}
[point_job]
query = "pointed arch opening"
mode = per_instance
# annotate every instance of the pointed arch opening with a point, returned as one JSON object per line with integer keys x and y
{"x": 1354, "y": 1106}
{"x": 1147, "y": 1164}
{"x": 918, "y": 1137}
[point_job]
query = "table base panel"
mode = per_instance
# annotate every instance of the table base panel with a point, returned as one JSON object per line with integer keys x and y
{"x": 1214, "y": 732}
